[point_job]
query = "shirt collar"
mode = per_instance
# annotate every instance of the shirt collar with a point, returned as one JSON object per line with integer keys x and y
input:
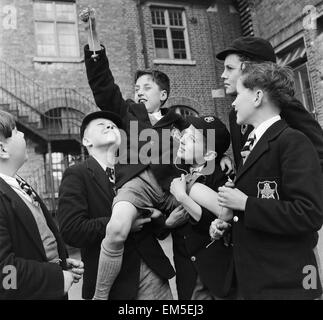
{"x": 263, "y": 127}
{"x": 10, "y": 180}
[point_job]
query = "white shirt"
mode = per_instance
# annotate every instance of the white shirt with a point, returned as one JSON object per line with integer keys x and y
{"x": 262, "y": 128}
{"x": 155, "y": 117}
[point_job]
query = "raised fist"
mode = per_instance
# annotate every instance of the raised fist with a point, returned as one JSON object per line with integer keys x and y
{"x": 85, "y": 16}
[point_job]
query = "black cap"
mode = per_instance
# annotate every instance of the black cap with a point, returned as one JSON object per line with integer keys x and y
{"x": 222, "y": 135}
{"x": 100, "y": 114}
{"x": 253, "y": 47}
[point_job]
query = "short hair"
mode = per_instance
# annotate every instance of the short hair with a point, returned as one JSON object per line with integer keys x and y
{"x": 159, "y": 77}
{"x": 277, "y": 81}
{"x": 7, "y": 124}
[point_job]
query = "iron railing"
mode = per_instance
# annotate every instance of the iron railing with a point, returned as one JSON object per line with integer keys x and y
{"x": 52, "y": 112}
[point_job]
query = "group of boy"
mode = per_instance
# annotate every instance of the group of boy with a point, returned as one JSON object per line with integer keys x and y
{"x": 114, "y": 208}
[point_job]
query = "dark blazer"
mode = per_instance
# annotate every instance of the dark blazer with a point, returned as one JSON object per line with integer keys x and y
{"x": 22, "y": 247}
{"x": 84, "y": 209}
{"x": 191, "y": 256}
{"x": 107, "y": 96}
{"x": 274, "y": 240}
{"x": 295, "y": 115}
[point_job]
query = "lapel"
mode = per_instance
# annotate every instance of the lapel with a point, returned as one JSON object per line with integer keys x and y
{"x": 52, "y": 226}
{"x": 98, "y": 175}
{"x": 238, "y": 139}
{"x": 24, "y": 215}
{"x": 261, "y": 147}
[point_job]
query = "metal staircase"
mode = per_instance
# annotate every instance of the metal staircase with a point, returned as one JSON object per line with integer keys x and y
{"x": 51, "y": 115}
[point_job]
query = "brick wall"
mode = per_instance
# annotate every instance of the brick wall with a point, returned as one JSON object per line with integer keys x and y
{"x": 279, "y": 21}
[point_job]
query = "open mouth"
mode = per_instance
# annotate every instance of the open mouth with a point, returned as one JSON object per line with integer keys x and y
{"x": 142, "y": 100}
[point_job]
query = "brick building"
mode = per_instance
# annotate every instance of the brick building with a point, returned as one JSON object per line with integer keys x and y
{"x": 42, "y": 74}
{"x": 295, "y": 29}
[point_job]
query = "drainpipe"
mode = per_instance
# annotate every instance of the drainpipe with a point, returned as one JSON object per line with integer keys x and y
{"x": 142, "y": 32}
{"x": 51, "y": 177}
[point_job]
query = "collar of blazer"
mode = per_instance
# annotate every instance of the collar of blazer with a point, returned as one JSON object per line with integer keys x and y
{"x": 98, "y": 175}
{"x": 262, "y": 146}
{"x": 26, "y": 217}
{"x": 169, "y": 116}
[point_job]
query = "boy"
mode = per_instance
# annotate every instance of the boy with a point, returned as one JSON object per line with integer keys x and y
{"x": 278, "y": 199}
{"x": 30, "y": 241}
{"x": 260, "y": 50}
{"x": 142, "y": 185}
{"x": 84, "y": 209}
{"x": 201, "y": 268}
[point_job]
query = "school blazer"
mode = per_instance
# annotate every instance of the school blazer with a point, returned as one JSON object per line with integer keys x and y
{"x": 84, "y": 210}
{"x": 273, "y": 239}
{"x": 22, "y": 247}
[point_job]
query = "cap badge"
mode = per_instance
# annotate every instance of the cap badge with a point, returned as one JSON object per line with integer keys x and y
{"x": 209, "y": 119}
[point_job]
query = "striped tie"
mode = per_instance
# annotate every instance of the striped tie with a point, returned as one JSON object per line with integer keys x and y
{"x": 111, "y": 175}
{"x": 248, "y": 147}
{"x": 27, "y": 189}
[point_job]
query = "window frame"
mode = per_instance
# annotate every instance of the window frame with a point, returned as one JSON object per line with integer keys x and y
{"x": 55, "y": 21}
{"x": 168, "y": 28}
{"x": 295, "y": 65}
{"x": 297, "y": 72}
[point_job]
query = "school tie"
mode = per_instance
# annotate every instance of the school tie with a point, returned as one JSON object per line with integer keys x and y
{"x": 111, "y": 175}
{"x": 27, "y": 189}
{"x": 248, "y": 147}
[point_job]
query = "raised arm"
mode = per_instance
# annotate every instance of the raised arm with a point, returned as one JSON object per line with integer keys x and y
{"x": 107, "y": 94}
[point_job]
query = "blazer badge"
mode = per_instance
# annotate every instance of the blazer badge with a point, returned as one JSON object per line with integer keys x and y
{"x": 268, "y": 190}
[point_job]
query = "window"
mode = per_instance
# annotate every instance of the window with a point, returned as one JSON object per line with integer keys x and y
{"x": 59, "y": 163}
{"x": 294, "y": 56}
{"x": 56, "y": 29}
{"x": 303, "y": 87}
{"x": 170, "y": 34}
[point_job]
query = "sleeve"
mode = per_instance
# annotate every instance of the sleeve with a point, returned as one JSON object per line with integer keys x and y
{"x": 301, "y": 208}
{"x": 27, "y": 279}
{"x": 107, "y": 94}
{"x": 215, "y": 181}
{"x": 77, "y": 227}
{"x": 299, "y": 118}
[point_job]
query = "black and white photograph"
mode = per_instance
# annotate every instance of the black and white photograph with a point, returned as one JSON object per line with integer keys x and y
{"x": 162, "y": 151}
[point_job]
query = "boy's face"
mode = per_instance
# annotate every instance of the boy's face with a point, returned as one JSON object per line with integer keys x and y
{"x": 101, "y": 132}
{"x": 191, "y": 146}
{"x": 231, "y": 73}
{"x": 15, "y": 148}
{"x": 149, "y": 93}
{"x": 244, "y": 104}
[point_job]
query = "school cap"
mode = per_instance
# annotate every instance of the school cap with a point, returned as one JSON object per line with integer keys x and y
{"x": 253, "y": 47}
{"x": 220, "y": 141}
{"x": 100, "y": 114}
